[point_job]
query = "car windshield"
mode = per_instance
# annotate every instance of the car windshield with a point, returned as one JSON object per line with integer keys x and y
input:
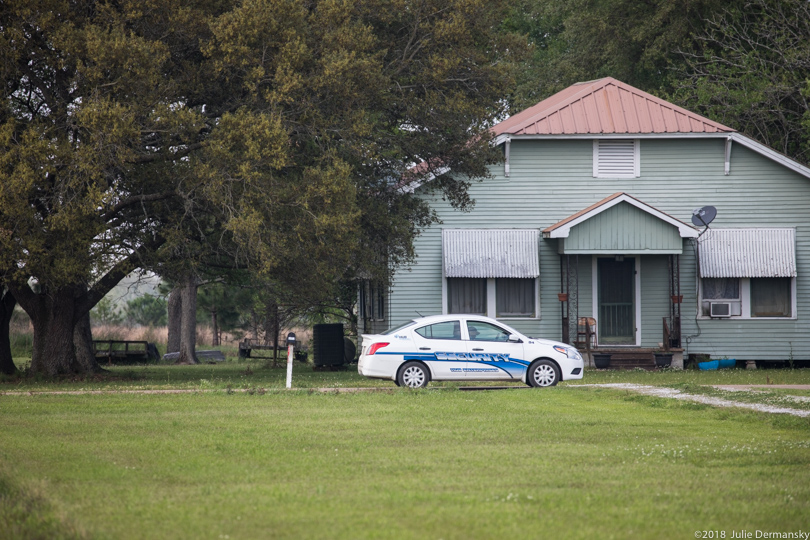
{"x": 398, "y": 328}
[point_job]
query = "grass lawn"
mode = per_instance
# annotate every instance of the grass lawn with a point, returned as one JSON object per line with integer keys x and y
{"x": 559, "y": 462}
{"x": 256, "y": 374}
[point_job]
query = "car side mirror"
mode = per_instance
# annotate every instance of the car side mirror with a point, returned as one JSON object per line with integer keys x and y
{"x": 514, "y": 339}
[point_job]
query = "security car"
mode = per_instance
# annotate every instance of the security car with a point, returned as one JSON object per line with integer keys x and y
{"x": 465, "y": 348}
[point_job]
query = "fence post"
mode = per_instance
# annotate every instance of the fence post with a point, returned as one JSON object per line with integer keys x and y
{"x": 290, "y": 355}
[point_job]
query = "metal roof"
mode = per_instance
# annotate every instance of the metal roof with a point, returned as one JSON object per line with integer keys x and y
{"x": 748, "y": 253}
{"x": 491, "y": 253}
{"x": 605, "y": 106}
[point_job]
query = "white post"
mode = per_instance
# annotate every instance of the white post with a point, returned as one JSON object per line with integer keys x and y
{"x": 290, "y": 349}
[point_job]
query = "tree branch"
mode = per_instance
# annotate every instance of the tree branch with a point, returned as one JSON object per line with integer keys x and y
{"x": 136, "y": 199}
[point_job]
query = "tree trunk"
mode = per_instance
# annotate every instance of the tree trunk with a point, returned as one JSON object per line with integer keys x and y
{"x": 175, "y": 318}
{"x": 214, "y": 328}
{"x": 254, "y": 320}
{"x": 6, "y": 311}
{"x": 188, "y": 327}
{"x": 83, "y": 344}
{"x": 276, "y": 330}
{"x": 52, "y": 315}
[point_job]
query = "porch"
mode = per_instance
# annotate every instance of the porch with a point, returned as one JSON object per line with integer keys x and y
{"x": 620, "y": 284}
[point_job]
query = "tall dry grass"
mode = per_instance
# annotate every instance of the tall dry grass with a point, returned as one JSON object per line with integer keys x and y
{"x": 22, "y": 332}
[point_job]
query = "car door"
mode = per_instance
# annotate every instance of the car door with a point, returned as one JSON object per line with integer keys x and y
{"x": 489, "y": 353}
{"x": 439, "y": 345}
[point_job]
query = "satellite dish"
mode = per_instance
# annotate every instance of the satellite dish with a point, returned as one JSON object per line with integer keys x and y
{"x": 704, "y": 216}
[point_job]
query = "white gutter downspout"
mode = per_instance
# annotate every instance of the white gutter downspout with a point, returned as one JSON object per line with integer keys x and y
{"x": 728, "y": 156}
{"x": 506, "y": 147}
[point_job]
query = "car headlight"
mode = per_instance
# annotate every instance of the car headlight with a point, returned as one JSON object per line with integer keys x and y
{"x": 570, "y": 352}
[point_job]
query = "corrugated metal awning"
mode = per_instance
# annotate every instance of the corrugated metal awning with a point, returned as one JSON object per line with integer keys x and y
{"x": 748, "y": 253}
{"x": 491, "y": 253}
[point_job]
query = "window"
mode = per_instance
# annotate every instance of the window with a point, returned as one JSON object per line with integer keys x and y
{"x": 616, "y": 158}
{"x": 491, "y": 272}
{"x": 372, "y": 301}
{"x": 392, "y": 331}
{"x": 721, "y": 288}
{"x": 482, "y": 331}
{"x": 514, "y": 297}
{"x": 744, "y": 255}
{"x": 771, "y": 297}
{"x": 378, "y": 297}
{"x": 747, "y": 297}
{"x": 443, "y": 330}
{"x": 467, "y": 295}
{"x": 493, "y": 297}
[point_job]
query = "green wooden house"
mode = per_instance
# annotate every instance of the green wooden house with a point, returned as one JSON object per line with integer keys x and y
{"x": 585, "y": 234}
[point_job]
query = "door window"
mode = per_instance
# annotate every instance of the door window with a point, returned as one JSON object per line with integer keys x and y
{"x": 482, "y": 331}
{"x": 442, "y": 330}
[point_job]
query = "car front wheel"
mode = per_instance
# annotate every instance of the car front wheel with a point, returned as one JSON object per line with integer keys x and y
{"x": 543, "y": 373}
{"x": 413, "y": 375}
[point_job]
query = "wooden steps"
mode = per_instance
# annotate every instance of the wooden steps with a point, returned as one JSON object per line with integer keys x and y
{"x": 627, "y": 359}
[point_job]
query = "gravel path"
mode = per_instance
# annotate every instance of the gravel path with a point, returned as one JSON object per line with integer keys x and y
{"x": 708, "y": 400}
{"x": 638, "y": 388}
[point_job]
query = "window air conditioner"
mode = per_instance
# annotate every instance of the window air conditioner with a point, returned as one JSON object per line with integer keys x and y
{"x": 720, "y": 309}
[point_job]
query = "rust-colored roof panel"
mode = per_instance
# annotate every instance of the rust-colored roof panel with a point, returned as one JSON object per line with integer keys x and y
{"x": 670, "y": 120}
{"x": 656, "y": 115}
{"x": 567, "y": 119}
{"x": 554, "y": 123}
{"x": 631, "y": 112}
{"x": 605, "y": 106}
{"x": 644, "y": 122}
{"x": 590, "y": 115}
{"x": 684, "y": 123}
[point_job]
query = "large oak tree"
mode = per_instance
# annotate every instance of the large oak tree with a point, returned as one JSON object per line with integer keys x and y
{"x": 269, "y": 134}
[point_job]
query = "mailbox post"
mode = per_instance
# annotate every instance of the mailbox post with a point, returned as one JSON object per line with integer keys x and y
{"x": 290, "y": 354}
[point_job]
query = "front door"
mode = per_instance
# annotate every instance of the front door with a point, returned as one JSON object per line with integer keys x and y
{"x": 616, "y": 322}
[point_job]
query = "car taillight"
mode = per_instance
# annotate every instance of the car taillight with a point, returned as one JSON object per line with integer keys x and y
{"x": 376, "y": 347}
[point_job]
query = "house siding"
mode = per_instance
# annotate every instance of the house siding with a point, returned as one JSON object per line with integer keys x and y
{"x": 552, "y": 179}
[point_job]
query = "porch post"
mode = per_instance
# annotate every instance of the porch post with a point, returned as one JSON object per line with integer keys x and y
{"x": 563, "y": 303}
{"x": 572, "y": 286}
{"x": 674, "y": 339}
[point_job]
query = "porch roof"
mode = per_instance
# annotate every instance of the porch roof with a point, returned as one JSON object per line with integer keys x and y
{"x": 621, "y": 224}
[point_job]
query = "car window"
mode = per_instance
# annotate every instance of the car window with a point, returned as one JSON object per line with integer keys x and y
{"x": 398, "y": 328}
{"x": 481, "y": 331}
{"x": 442, "y": 330}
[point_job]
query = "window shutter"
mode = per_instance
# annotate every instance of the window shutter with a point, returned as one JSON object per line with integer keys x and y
{"x": 615, "y": 158}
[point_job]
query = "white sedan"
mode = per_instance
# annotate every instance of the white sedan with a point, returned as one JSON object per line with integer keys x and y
{"x": 465, "y": 348}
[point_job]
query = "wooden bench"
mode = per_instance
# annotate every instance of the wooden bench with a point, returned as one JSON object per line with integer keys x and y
{"x": 247, "y": 346}
{"x": 124, "y": 351}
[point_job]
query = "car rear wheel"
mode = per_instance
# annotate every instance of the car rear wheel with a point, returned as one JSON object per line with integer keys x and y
{"x": 543, "y": 373}
{"x": 413, "y": 375}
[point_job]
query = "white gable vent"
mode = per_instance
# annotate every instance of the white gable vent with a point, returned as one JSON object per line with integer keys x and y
{"x": 616, "y": 158}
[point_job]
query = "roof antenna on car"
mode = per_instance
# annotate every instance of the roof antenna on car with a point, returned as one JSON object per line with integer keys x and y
{"x": 704, "y": 216}
{"x": 419, "y": 314}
